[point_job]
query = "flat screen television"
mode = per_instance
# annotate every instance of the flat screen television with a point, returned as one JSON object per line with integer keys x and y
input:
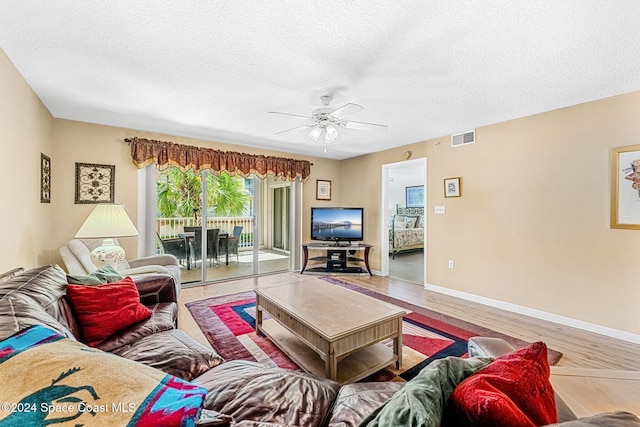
{"x": 337, "y": 224}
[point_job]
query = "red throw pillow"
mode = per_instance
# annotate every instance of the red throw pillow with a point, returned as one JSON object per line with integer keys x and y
{"x": 103, "y": 310}
{"x": 513, "y": 391}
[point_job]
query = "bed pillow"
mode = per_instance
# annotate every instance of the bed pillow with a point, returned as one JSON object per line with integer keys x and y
{"x": 103, "y": 310}
{"x": 106, "y": 274}
{"x": 514, "y": 391}
{"x": 412, "y": 222}
{"x": 399, "y": 225}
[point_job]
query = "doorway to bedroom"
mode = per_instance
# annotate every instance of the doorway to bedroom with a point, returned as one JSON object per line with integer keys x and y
{"x": 404, "y": 205}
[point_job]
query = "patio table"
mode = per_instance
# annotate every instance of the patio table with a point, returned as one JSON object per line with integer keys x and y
{"x": 190, "y": 235}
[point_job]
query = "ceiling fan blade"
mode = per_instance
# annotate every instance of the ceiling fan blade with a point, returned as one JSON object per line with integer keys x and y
{"x": 298, "y": 116}
{"x": 370, "y": 127}
{"x": 292, "y": 129}
{"x": 347, "y": 110}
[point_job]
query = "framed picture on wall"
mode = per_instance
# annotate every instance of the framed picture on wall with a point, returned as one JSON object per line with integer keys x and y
{"x": 625, "y": 187}
{"x": 323, "y": 189}
{"x": 45, "y": 178}
{"x": 452, "y": 187}
{"x": 95, "y": 183}
{"x": 414, "y": 196}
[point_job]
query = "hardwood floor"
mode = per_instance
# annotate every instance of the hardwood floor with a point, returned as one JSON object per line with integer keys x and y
{"x": 593, "y": 367}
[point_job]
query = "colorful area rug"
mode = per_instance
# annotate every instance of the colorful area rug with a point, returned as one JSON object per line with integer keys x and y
{"x": 228, "y": 322}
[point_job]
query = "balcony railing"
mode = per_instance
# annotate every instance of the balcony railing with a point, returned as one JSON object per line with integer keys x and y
{"x": 170, "y": 227}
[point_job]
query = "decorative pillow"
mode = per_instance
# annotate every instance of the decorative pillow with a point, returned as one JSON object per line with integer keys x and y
{"x": 86, "y": 386}
{"x": 106, "y": 274}
{"x": 103, "y": 310}
{"x": 513, "y": 391}
{"x": 421, "y": 401}
{"x": 399, "y": 225}
{"x": 412, "y": 222}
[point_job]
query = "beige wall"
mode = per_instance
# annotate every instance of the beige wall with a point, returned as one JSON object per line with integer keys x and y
{"x": 532, "y": 225}
{"x": 90, "y": 143}
{"x": 26, "y": 128}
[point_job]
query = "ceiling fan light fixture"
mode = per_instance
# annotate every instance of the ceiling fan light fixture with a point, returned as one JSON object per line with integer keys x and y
{"x": 331, "y": 133}
{"x": 315, "y": 133}
{"x": 324, "y": 123}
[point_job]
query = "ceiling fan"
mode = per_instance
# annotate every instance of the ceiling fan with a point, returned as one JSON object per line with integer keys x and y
{"x": 325, "y": 123}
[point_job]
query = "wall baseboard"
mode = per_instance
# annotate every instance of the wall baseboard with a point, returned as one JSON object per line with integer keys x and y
{"x": 538, "y": 314}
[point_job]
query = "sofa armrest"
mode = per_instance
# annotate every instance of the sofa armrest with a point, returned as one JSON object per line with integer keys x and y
{"x": 145, "y": 269}
{"x": 488, "y": 347}
{"x": 156, "y": 288}
{"x": 165, "y": 259}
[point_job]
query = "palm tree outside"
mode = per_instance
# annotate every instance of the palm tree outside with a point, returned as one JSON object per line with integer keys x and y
{"x": 179, "y": 195}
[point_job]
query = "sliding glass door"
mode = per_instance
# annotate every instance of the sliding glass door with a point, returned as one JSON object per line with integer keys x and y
{"x": 222, "y": 227}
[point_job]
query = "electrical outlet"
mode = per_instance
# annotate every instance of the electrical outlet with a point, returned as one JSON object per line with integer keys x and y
{"x": 451, "y": 264}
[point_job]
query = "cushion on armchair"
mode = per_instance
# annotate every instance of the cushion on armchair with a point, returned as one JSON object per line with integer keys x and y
{"x": 103, "y": 310}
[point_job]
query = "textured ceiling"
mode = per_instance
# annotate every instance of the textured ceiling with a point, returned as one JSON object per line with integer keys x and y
{"x": 214, "y": 69}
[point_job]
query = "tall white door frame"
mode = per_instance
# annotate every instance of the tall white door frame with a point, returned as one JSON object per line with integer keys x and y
{"x": 385, "y": 217}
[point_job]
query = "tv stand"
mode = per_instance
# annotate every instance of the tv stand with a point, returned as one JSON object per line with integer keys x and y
{"x": 337, "y": 258}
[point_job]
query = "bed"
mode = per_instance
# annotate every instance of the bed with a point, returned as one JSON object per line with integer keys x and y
{"x": 406, "y": 230}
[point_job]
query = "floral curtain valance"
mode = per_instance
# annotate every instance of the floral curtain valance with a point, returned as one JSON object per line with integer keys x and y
{"x": 145, "y": 152}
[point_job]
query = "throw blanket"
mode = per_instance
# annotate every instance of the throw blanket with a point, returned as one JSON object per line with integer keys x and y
{"x": 48, "y": 379}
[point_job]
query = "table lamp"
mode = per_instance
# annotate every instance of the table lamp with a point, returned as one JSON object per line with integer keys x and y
{"x": 106, "y": 222}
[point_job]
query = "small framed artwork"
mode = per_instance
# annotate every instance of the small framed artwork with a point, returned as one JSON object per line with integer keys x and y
{"x": 95, "y": 183}
{"x": 625, "y": 187}
{"x": 452, "y": 187}
{"x": 415, "y": 196}
{"x": 45, "y": 179}
{"x": 323, "y": 189}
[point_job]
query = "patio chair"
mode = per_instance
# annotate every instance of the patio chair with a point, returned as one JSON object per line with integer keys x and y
{"x": 233, "y": 242}
{"x": 195, "y": 245}
{"x": 175, "y": 246}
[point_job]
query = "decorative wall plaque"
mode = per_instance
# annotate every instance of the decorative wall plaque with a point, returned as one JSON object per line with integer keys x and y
{"x": 45, "y": 179}
{"x": 95, "y": 183}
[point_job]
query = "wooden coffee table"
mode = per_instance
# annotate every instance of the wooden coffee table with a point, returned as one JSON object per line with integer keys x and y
{"x": 329, "y": 330}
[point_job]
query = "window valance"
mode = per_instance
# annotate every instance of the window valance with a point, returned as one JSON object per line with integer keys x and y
{"x": 164, "y": 154}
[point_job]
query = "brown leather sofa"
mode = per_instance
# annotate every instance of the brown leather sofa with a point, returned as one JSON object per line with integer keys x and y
{"x": 38, "y": 296}
{"x": 240, "y": 393}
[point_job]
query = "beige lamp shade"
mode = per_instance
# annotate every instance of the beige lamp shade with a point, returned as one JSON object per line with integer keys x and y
{"x": 107, "y": 221}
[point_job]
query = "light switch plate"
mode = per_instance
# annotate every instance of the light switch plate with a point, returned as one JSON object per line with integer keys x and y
{"x": 440, "y": 210}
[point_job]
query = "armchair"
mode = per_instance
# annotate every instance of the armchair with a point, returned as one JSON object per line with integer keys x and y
{"x": 77, "y": 259}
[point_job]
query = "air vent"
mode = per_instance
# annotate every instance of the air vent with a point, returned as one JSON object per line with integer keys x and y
{"x": 463, "y": 138}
